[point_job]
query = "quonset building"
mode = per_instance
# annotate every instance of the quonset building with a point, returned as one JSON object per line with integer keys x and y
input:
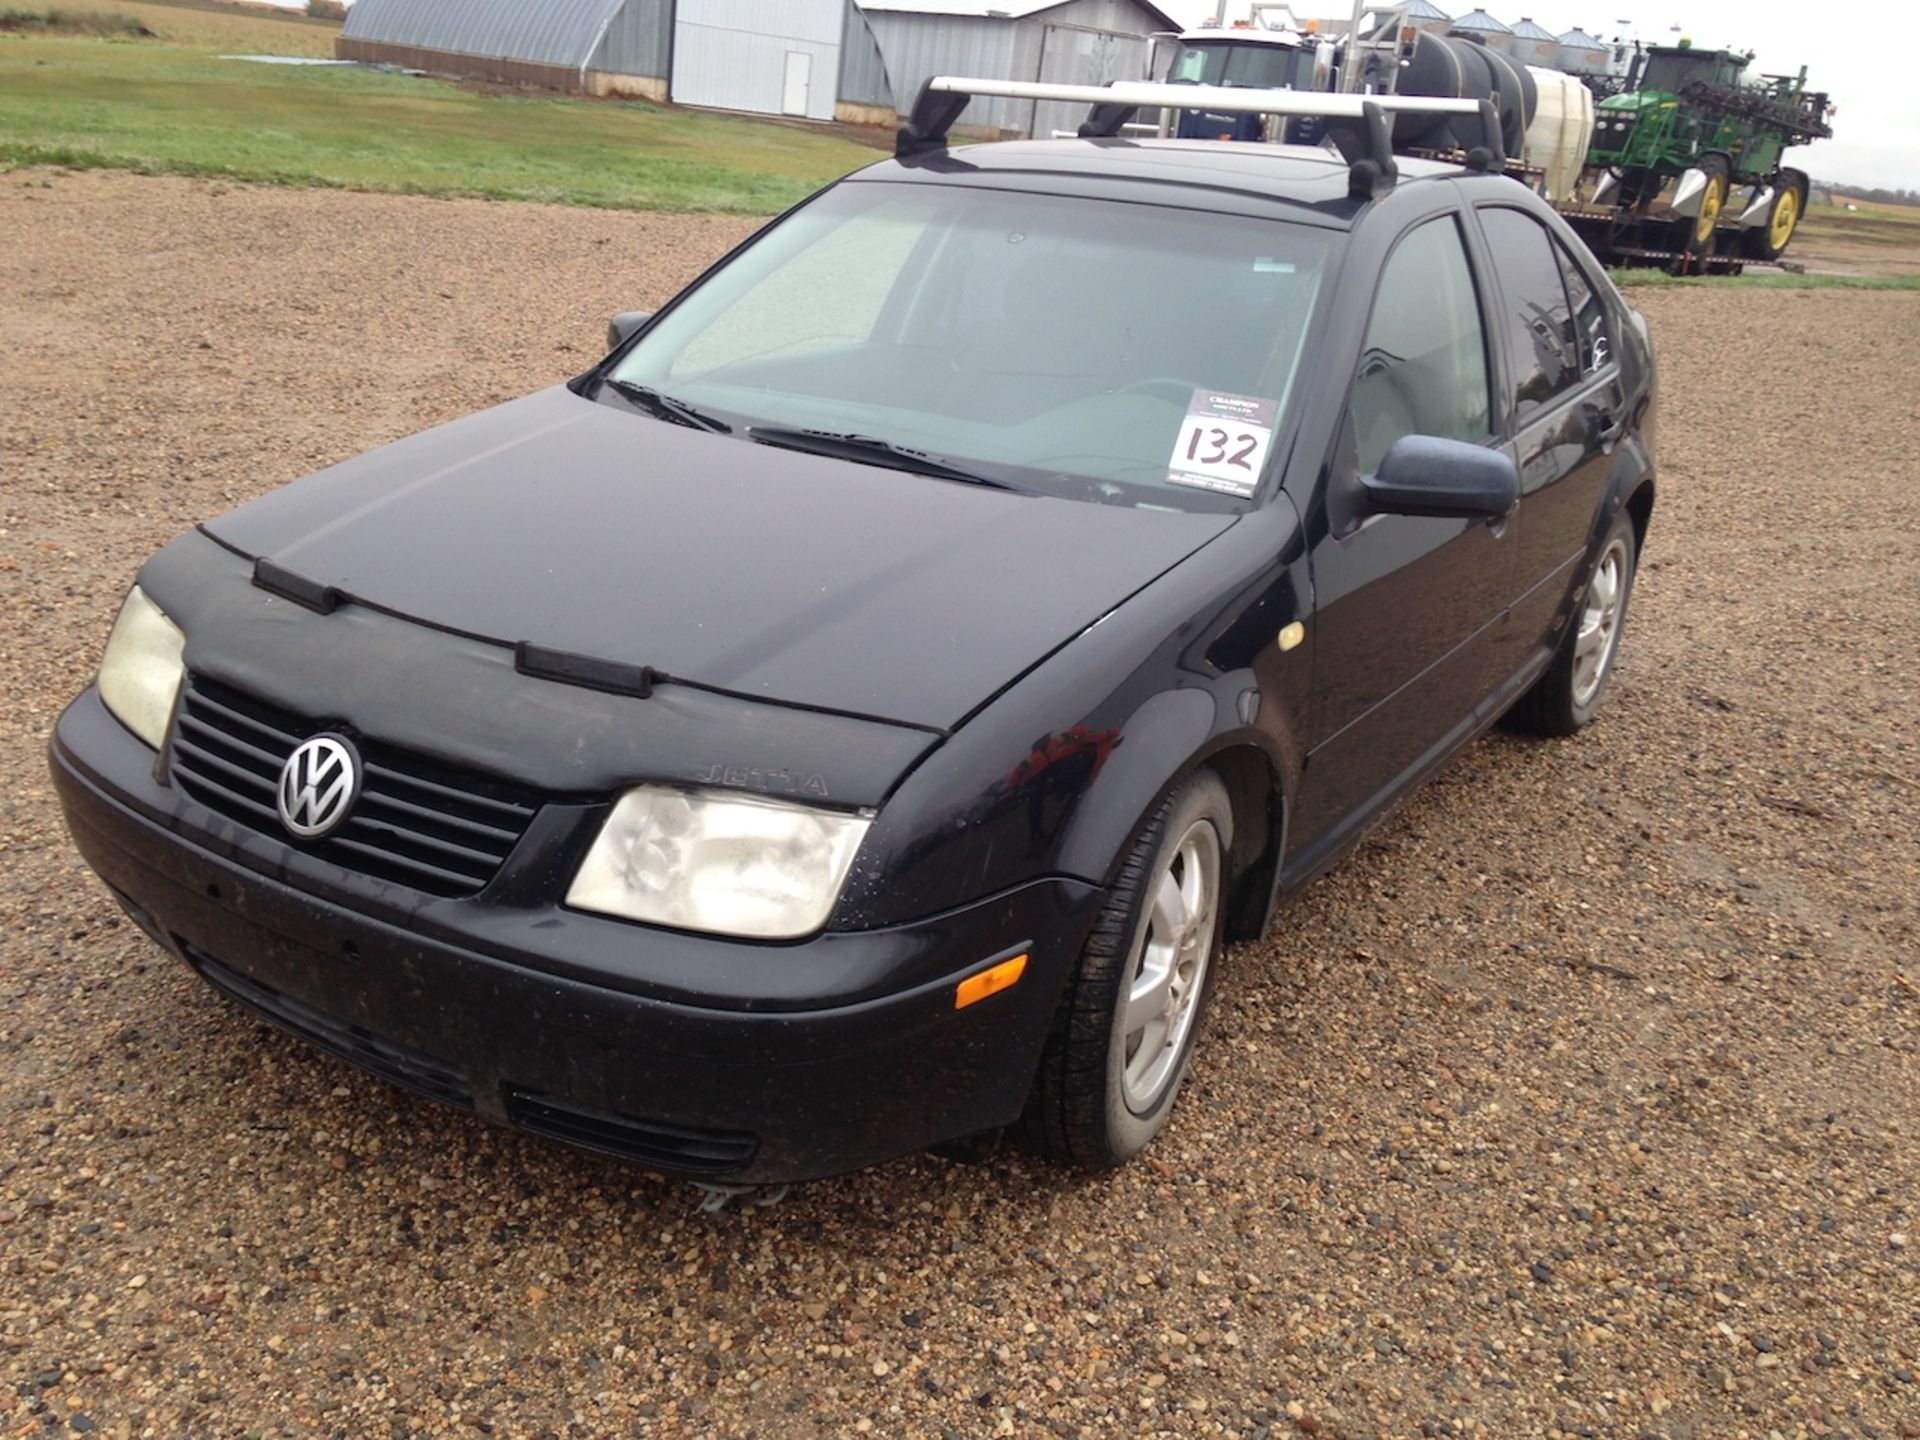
{"x": 811, "y": 59}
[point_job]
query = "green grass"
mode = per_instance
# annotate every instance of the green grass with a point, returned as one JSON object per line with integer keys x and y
{"x": 102, "y": 24}
{"x": 170, "y": 109}
{"x": 1772, "y": 280}
{"x": 219, "y": 26}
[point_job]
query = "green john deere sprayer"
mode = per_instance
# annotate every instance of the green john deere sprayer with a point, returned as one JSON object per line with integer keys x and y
{"x": 1679, "y": 170}
{"x": 1684, "y": 167}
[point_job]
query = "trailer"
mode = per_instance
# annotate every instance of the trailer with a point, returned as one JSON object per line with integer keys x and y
{"x": 1686, "y": 158}
{"x": 1677, "y": 164}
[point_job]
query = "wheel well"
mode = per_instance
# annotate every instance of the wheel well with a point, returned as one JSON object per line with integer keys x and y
{"x": 1254, "y": 790}
{"x": 1640, "y": 507}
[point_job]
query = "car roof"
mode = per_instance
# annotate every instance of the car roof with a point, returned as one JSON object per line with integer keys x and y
{"x": 1245, "y": 178}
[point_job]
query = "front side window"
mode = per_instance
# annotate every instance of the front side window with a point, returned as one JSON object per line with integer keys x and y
{"x": 1540, "y": 339}
{"x": 1423, "y": 369}
{"x": 1057, "y": 344}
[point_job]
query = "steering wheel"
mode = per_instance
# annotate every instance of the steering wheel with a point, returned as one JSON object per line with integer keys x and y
{"x": 1173, "y": 386}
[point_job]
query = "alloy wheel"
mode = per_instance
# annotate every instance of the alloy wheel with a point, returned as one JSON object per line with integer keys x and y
{"x": 1169, "y": 976}
{"x": 1599, "y": 633}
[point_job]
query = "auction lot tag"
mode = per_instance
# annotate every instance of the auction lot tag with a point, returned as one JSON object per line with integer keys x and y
{"x": 1223, "y": 442}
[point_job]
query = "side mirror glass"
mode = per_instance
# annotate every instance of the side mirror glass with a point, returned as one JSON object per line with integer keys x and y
{"x": 623, "y": 325}
{"x": 1425, "y": 475}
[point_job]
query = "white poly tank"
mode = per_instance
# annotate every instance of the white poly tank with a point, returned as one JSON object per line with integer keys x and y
{"x": 1562, "y": 128}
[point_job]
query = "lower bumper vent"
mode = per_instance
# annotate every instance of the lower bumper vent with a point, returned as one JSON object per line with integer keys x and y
{"x": 352, "y": 1043}
{"x": 650, "y": 1142}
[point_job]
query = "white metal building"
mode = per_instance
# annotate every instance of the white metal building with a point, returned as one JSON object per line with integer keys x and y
{"x": 1082, "y": 42}
{"x": 769, "y": 57}
{"x": 602, "y": 47}
{"x": 857, "y": 60}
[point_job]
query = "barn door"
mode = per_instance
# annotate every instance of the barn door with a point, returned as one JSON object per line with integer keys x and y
{"x": 799, "y": 82}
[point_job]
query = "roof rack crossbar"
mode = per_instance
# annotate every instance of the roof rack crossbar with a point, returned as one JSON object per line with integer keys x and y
{"x": 943, "y": 98}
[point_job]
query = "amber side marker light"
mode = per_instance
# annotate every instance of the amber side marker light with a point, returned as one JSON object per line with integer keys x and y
{"x": 976, "y": 988}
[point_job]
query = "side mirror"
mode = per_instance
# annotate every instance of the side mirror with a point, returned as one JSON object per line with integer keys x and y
{"x": 1425, "y": 475}
{"x": 623, "y": 325}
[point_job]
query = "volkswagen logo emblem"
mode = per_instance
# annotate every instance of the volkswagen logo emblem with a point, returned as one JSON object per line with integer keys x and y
{"x": 318, "y": 786}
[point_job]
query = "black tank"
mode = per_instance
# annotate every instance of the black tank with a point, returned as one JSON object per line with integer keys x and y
{"x": 1452, "y": 67}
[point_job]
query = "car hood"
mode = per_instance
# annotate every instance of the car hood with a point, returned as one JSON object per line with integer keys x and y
{"x": 588, "y": 529}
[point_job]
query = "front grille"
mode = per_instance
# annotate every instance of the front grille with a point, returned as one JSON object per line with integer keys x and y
{"x": 417, "y": 822}
{"x": 651, "y": 1142}
{"x": 353, "y": 1043}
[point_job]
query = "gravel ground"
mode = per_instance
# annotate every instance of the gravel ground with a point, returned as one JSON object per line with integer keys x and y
{"x": 1581, "y": 1100}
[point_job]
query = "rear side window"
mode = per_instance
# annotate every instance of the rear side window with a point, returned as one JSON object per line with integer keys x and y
{"x": 1589, "y": 314}
{"x": 1540, "y": 338}
{"x": 1423, "y": 370}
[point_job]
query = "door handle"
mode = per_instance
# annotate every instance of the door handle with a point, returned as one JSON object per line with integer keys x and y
{"x": 1604, "y": 429}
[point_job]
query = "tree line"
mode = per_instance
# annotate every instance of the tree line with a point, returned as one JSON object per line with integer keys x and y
{"x": 1871, "y": 195}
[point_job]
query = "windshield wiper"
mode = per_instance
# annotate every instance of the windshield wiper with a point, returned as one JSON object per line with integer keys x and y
{"x": 665, "y": 407}
{"x": 870, "y": 450}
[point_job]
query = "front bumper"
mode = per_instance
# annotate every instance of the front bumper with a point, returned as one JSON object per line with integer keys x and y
{"x": 610, "y": 1036}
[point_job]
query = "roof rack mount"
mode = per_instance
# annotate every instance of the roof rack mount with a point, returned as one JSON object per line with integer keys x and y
{"x": 1359, "y": 125}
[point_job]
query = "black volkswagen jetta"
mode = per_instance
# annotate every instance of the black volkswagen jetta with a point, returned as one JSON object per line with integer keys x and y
{"x": 853, "y": 715}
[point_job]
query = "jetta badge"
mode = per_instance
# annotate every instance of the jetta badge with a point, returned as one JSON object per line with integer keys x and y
{"x": 318, "y": 786}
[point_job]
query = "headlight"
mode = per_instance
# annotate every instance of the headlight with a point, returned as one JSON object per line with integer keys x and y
{"x": 721, "y": 862}
{"x": 140, "y": 673}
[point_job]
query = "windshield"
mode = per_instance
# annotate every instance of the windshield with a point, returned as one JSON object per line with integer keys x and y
{"x": 1068, "y": 346}
{"x": 1221, "y": 62}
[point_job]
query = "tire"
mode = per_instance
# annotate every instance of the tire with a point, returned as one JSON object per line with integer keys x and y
{"x": 1769, "y": 240}
{"x": 1695, "y": 232}
{"x": 1100, "y": 1097}
{"x": 1568, "y": 695}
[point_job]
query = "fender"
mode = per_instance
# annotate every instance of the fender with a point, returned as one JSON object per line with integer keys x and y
{"x": 1162, "y": 737}
{"x": 1058, "y": 773}
{"x": 1171, "y": 736}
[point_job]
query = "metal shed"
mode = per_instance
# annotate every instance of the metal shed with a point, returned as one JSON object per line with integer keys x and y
{"x": 1085, "y": 42}
{"x": 601, "y": 47}
{"x": 856, "y": 60}
{"x": 770, "y": 57}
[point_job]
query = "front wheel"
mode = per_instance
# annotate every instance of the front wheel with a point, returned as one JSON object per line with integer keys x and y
{"x": 1126, "y": 1026}
{"x": 1567, "y": 697}
{"x": 1697, "y": 231}
{"x": 1768, "y": 240}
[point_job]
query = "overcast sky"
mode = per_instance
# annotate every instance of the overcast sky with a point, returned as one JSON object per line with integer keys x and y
{"x": 1861, "y": 52}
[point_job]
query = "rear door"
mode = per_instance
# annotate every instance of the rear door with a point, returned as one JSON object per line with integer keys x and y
{"x": 1406, "y": 607}
{"x": 1563, "y": 406}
